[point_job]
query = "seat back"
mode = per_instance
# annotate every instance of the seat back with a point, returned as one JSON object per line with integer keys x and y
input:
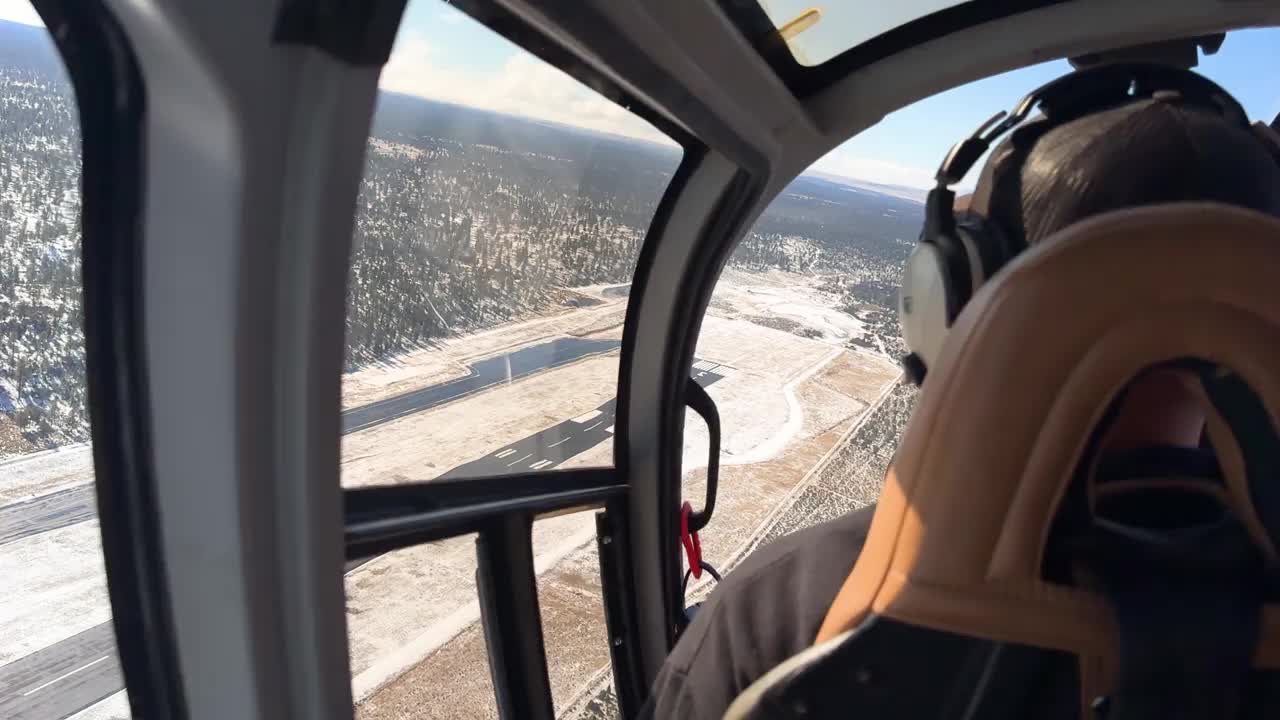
{"x": 953, "y": 566}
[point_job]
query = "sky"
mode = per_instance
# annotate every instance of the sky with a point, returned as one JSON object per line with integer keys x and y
{"x": 19, "y": 11}
{"x": 443, "y": 54}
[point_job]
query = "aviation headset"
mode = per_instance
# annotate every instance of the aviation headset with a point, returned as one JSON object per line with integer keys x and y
{"x": 957, "y": 253}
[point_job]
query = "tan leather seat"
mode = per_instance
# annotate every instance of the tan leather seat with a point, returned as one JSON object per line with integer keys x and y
{"x": 957, "y": 545}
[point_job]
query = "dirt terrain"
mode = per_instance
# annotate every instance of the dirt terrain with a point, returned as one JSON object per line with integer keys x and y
{"x": 789, "y": 401}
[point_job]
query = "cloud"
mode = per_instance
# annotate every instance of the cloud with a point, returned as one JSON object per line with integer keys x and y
{"x": 885, "y": 172}
{"x": 522, "y": 85}
{"x": 876, "y": 171}
{"x": 20, "y": 11}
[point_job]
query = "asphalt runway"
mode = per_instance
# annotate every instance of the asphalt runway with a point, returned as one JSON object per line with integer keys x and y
{"x": 46, "y": 512}
{"x": 547, "y": 449}
{"x": 62, "y": 679}
{"x": 484, "y": 374}
{"x": 68, "y": 676}
{"x": 77, "y": 504}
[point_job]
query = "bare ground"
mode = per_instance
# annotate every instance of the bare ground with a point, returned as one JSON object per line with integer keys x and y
{"x": 426, "y": 444}
{"x": 449, "y": 360}
{"x": 453, "y": 681}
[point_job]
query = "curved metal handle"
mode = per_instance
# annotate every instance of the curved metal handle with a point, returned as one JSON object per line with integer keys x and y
{"x": 697, "y": 399}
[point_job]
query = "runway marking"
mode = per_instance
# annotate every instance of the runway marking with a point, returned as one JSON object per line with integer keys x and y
{"x": 64, "y": 676}
{"x": 593, "y": 427}
{"x": 396, "y": 411}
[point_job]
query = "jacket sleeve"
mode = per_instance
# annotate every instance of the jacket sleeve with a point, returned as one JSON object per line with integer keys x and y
{"x": 765, "y": 611}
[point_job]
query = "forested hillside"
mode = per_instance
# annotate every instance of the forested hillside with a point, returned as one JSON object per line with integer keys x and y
{"x": 42, "y": 392}
{"x": 856, "y": 239}
{"x": 465, "y": 219}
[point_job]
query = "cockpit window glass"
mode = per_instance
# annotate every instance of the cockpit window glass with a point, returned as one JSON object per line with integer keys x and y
{"x": 500, "y": 219}
{"x": 57, "y": 646}
{"x": 817, "y": 32}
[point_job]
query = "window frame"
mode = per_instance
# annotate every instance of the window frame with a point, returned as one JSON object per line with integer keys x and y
{"x": 635, "y": 649}
{"x": 111, "y": 106}
{"x": 270, "y": 441}
{"x": 257, "y": 476}
{"x": 464, "y": 505}
{"x": 806, "y": 80}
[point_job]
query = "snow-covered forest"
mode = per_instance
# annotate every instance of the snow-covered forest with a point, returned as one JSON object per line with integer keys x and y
{"x": 42, "y": 392}
{"x": 465, "y": 219}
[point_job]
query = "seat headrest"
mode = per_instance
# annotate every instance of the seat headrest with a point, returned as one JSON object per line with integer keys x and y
{"x": 1026, "y": 374}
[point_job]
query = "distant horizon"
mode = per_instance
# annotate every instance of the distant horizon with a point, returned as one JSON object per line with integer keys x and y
{"x": 809, "y": 172}
{"x": 21, "y": 12}
{"x": 531, "y": 118}
{"x": 443, "y": 55}
{"x": 405, "y": 77}
{"x": 913, "y": 194}
{"x": 405, "y": 74}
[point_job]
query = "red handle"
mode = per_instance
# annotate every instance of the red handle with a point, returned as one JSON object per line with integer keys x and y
{"x": 692, "y": 546}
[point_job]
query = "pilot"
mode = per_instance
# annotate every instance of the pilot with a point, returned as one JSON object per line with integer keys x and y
{"x": 1144, "y": 152}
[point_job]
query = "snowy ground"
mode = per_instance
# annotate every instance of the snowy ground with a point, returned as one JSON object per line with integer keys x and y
{"x": 787, "y": 402}
{"x": 452, "y": 680}
{"x": 786, "y": 301}
{"x": 55, "y": 587}
{"x": 449, "y": 360}
{"x": 793, "y": 391}
{"x": 44, "y": 472}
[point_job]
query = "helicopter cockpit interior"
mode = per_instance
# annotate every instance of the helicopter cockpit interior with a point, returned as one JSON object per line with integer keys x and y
{"x": 438, "y": 358}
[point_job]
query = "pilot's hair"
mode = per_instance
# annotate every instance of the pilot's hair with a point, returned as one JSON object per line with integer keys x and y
{"x": 1142, "y": 153}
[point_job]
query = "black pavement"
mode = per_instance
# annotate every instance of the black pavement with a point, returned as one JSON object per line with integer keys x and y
{"x": 70, "y": 675}
{"x": 483, "y": 374}
{"x": 47, "y": 512}
{"x": 62, "y": 679}
{"x": 76, "y": 504}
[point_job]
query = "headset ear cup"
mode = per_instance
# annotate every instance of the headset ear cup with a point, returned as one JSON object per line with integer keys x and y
{"x": 940, "y": 276}
{"x": 924, "y": 302}
{"x": 953, "y": 262}
{"x": 987, "y": 249}
{"x": 980, "y": 265}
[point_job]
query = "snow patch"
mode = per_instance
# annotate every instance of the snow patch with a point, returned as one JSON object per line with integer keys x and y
{"x": 55, "y": 587}
{"x": 28, "y": 476}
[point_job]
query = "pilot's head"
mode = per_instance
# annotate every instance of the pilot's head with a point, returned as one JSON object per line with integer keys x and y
{"x": 1048, "y": 175}
{"x": 1144, "y": 153}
